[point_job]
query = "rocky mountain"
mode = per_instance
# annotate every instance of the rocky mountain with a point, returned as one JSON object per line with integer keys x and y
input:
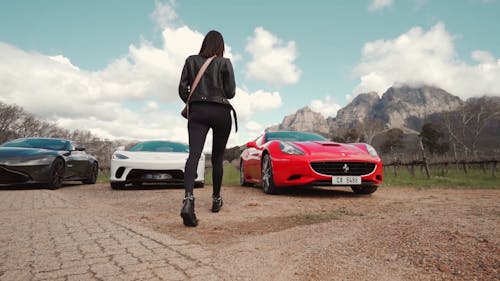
{"x": 405, "y": 107}
{"x": 303, "y": 120}
{"x": 399, "y": 107}
{"x": 361, "y": 107}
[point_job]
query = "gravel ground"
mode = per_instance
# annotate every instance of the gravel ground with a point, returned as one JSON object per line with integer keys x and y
{"x": 324, "y": 234}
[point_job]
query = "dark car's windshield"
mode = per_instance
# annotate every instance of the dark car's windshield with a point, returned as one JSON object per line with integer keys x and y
{"x": 160, "y": 146}
{"x": 294, "y": 136}
{"x": 52, "y": 144}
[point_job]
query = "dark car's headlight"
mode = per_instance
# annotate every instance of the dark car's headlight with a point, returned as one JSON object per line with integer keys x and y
{"x": 119, "y": 156}
{"x": 371, "y": 150}
{"x": 289, "y": 148}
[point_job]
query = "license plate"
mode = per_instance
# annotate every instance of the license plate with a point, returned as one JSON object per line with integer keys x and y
{"x": 158, "y": 176}
{"x": 346, "y": 180}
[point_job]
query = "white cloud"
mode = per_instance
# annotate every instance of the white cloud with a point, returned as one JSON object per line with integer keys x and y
{"x": 53, "y": 88}
{"x": 247, "y": 104}
{"x": 327, "y": 107}
{"x": 151, "y": 106}
{"x": 273, "y": 60}
{"x": 134, "y": 97}
{"x": 253, "y": 126}
{"x": 483, "y": 57}
{"x": 164, "y": 14}
{"x": 377, "y": 5}
{"x": 64, "y": 60}
{"x": 426, "y": 57}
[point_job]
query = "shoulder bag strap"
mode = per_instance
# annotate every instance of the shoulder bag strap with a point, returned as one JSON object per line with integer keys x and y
{"x": 198, "y": 78}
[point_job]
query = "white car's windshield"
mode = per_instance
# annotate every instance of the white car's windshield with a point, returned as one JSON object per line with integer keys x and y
{"x": 160, "y": 146}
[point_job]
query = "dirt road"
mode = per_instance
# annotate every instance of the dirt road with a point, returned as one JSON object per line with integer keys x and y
{"x": 315, "y": 234}
{"x": 330, "y": 234}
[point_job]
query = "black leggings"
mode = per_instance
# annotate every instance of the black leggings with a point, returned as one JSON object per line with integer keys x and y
{"x": 202, "y": 117}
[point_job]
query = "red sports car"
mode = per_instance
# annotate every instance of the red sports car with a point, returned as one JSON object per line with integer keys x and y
{"x": 281, "y": 159}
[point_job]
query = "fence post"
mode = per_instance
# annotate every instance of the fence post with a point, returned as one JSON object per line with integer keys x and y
{"x": 483, "y": 166}
{"x": 423, "y": 158}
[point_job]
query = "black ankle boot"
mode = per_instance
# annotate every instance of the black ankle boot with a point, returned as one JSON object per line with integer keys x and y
{"x": 187, "y": 211}
{"x": 216, "y": 203}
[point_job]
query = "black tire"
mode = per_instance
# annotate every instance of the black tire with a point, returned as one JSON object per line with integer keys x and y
{"x": 92, "y": 174}
{"x": 199, "y": 184}
{"x": 117, "y": 185}
{"x": 364, "y": 189}
{"x": 267, "y": 175}
{"x": 56, "y": 174}
{"x": 242, "y": 176}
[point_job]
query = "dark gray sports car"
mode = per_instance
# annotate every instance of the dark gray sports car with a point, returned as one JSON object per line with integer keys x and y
{"x": 46, "y": 160}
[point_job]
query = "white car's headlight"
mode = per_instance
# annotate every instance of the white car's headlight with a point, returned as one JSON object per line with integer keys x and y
{"x": 289, "y": 148}
{"x": 371, "y": 150}
{"x": 119, "y": 156}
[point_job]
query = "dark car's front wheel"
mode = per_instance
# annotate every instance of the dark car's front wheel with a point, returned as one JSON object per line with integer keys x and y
{"x": 364, "y": 189}
{"x": 92, "y": 174}
{"x": 56, "y": 174}
{"x": 267, "y": 175}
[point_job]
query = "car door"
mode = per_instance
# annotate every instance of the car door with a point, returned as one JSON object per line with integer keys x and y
{"x": 77, "y": 162}
{"x": 253, "y": 159}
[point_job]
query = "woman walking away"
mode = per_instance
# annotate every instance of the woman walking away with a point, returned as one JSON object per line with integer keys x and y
{"x": 206, "y": 98}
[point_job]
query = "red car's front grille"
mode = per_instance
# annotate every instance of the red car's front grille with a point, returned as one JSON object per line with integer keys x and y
{"x": 343, "y": 168}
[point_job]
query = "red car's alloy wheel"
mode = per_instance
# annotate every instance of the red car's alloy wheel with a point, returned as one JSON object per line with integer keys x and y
{"x": 267, "y": 175}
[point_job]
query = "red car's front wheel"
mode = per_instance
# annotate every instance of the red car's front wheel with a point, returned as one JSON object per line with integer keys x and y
{"x": 267, "y": 175}
{"x": 369, "y": 189}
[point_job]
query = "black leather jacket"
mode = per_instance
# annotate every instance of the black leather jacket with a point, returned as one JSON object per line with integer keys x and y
{"x": 216, "y": 85}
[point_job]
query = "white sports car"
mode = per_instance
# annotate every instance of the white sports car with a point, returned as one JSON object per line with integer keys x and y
{"x": 152, "y": 162}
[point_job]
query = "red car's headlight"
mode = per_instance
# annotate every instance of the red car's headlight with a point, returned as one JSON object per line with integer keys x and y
{"x": 371, "y": 150}
{"x": 289, "y": 148}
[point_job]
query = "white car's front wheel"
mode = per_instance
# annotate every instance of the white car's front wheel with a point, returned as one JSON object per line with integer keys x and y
{"x": 117, "y": 185}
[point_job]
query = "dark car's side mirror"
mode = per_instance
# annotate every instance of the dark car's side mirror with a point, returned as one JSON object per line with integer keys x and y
{"x": 80, "y": 148}
{"x": 251, "y": 144}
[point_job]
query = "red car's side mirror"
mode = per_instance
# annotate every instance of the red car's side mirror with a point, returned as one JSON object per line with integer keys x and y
{"x": 251, "y": 144}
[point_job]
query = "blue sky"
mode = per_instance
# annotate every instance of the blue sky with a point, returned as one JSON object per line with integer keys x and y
{"x": 120, "y": 60}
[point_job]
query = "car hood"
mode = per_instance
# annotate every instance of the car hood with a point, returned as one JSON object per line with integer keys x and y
{"x": 9, "y": 153}
{"x": 154, "y": 156}
{"x": 332, "y": 150}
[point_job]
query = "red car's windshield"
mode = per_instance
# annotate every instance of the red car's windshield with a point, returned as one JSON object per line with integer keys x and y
{"x": 294, "y": 136}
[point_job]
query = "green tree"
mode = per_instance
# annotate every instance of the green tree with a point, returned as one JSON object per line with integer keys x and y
{"x": 433, "y": 138}
{"x": 393, "y": 140}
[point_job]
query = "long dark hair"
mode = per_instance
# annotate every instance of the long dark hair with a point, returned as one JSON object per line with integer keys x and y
{"x": 213, "y": 44}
